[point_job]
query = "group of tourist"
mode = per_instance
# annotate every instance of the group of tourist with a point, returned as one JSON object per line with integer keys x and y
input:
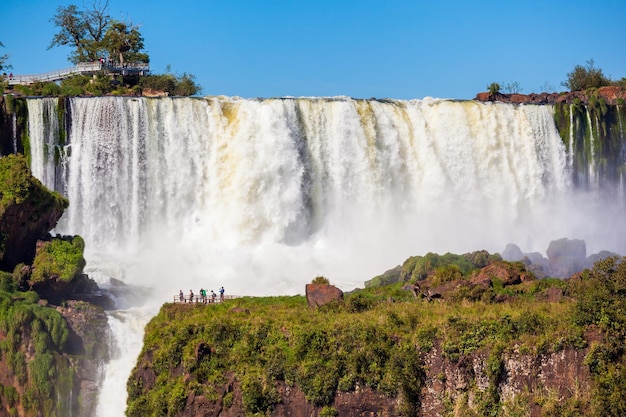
{"x": 202, "y": 298}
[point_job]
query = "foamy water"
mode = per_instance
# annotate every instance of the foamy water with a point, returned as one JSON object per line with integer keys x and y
{"x": 261, "y": 196}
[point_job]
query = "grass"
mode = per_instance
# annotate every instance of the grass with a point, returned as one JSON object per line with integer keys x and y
{"x": 366, "y": 340}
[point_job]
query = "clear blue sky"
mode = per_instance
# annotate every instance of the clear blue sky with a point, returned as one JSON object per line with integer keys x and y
{"x": 367, "y": 48}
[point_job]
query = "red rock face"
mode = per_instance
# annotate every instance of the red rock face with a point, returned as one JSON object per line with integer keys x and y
{"x": 563, "y": 373}
{"x": 319, "y": 294}
{"x": 610, "y": 95}
{"x": 23, "y": 224}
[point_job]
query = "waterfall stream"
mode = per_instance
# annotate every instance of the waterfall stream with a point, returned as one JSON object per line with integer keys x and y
{"x": 261, "y": 196}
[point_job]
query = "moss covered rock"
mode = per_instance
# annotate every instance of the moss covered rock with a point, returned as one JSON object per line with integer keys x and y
{"x": 28, "y": 211}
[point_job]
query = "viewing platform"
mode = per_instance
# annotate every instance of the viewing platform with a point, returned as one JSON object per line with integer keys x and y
{"x": 197, "y": 299}
{"x": 83, "y": 68}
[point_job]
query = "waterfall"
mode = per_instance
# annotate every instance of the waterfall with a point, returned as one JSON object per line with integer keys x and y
{"x": 14, "y": 126}
{"x": 261, "y": 196}
{"x": 45, "y": 141}
{"x": 591, "y": 178}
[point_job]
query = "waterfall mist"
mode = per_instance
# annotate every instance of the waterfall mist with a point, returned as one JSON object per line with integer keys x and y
{"x": 262, "y": 196}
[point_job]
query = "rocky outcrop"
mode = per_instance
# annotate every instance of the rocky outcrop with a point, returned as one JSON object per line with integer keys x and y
{"x": 51, "y": 357}
{"x": 462, "y": 382}
{"x": 610, "y": 94}
{"x": 565, "y": 257}
{"x": 502, "y": 271}
{"x": 87, "y": 345}
{"x": 319, "y": 294}
{"x": 459, "y": 383}
{"x": 27, "y": 212}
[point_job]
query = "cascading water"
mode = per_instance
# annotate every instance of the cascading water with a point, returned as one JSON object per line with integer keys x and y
{"x": 262, "y": 196}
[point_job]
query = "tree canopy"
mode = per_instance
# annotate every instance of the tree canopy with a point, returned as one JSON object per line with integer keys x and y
{"x": 4, "y": 60}
{"x": 93, "y": 35}
{"x": 123, "y": 40}
{"x": 584, "y": 77}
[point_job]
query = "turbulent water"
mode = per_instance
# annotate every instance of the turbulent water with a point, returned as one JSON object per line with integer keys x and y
{"x": 262, "y": 196}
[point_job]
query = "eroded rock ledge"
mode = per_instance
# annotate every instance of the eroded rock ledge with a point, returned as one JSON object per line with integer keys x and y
{"x": 610, "y": 95}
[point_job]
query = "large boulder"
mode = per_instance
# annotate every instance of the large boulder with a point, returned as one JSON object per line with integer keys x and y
{"x": 319, "y": 294}
{"x": 566, "y": 257}
{"x": 512, "y": 253}
{"x": 503, "y": 271}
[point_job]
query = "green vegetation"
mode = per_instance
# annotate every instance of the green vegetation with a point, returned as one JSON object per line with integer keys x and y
{"x": 17, "y": 185}
{"x": 366, "y": 341}
{"x": 584, "y": 77}
{"x": 602, "y": 304}
{"x": 58, "y": 257}
{"x": 493, "y": 88}
{"x": 4, "y": 65}
{"x": 33, "y": 336}
{"x": 94, "y": 35}
{"x": 592, "y": 134}
{"x": 417, "y": 268}
{"x": 445, "y": 268}
{"x": 103, "y": 84}
{"x": 176, "y": 85}
{"x": 320, "y": 280}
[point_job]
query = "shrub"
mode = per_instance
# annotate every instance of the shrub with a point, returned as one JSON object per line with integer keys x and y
{"x": 493, "y": 88}
{"x": 321, "y": 280}
{"x": 584, "y": 77}
{"x": 258, "y": 394}
{"x": 62, "y": 257}
{"x": 328, "y": 412}
{"x": 51, "y": 90}
{"x": 186, "y": 85}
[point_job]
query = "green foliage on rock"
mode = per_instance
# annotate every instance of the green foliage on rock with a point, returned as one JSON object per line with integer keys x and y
{"x": 591, "y": 133}
{"x": 320, "y": 280}
{"x": 256, "y": 344}
{"x": 33, "y": 337}
{"x": 60, "y": 257}
{"x": 102, "y": 84}
{"x": 17, "y": 185}
{"x": 15, "y": 181}
{"x": 601, "y": 302}
{"x": 449, "y": 266}
{"x": 174, "y": 85}
{"x": 493, "y": 88}
{"x": 584, "y": 77}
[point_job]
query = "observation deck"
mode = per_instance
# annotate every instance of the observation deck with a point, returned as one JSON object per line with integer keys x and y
{"x": 82, "y": 68}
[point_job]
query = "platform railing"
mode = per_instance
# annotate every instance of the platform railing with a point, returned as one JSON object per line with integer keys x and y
{"x": 197, "y": 299}
{"x": 83, "y": 68}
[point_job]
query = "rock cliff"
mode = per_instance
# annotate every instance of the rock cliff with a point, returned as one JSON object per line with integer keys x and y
{"x": 489, "y": 341}
{"x": 52, "y": 345}
{"x": 610, "y": 95}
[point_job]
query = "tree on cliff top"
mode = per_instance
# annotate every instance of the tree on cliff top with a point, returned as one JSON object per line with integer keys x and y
{"x": 3, "y": 60}
{"x": 582, "y": 78}
{"x": 81, "y": 29}
{"x": 124, "y": 41}
{"x": 93, "y": 34}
